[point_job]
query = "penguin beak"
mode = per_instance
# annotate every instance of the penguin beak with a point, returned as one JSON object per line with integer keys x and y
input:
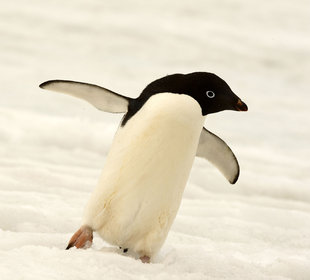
{"x": 241, "y": 106}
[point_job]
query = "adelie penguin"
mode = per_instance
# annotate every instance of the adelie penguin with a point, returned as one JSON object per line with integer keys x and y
{"x": 145, "y": 173}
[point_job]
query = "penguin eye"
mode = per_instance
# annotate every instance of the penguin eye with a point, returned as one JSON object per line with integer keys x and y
{"x": 210, "y": 94}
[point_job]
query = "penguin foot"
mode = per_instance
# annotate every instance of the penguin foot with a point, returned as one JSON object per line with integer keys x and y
{"x": 124, "y": 250}
{"x": 145, "y": 259}
{"x": 83, "y": 238}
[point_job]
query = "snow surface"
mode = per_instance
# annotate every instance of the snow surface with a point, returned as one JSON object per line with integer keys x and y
{"x": 53, "y": 146}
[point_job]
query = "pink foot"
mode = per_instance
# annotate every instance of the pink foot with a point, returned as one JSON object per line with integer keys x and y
{"x": 83, "y": 238}
{"x": 145, "y": 259}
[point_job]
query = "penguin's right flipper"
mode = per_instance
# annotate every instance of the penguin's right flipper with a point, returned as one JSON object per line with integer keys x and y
{"x": 215, "y": 150}
{"x": 102, "y": 98}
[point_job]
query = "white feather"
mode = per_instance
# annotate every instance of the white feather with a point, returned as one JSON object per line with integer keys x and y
{"x": 140, "y": 189}
{"x": 102, "y": 98}
{"x": 215, "y": 150}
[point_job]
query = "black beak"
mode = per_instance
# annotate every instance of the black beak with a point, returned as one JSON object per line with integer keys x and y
{"x": 240, "y": 106}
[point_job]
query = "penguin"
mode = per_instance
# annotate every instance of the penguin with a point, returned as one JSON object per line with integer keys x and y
{"x": 146, "y": 170}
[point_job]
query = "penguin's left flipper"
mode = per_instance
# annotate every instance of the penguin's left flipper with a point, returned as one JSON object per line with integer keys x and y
{"x": 215, "y": 150}
{"x": 83, "y": 238}
{"x": 102, "y": 98}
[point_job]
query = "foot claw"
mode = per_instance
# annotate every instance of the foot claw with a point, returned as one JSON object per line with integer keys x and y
{"x": 145, "y": 259}
{"x": 82, "y": 238}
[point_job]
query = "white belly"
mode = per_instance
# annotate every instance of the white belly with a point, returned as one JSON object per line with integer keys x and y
{"x": 141, "y": 186}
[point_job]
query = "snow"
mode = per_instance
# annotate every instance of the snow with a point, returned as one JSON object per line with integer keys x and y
{"x": 53, "y": 146}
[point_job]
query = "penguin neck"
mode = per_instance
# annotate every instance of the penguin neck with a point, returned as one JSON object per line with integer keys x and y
{"x": 163, "y": 100}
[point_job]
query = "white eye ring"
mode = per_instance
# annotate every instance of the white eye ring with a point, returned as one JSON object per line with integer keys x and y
{"x": 210, "y": 94}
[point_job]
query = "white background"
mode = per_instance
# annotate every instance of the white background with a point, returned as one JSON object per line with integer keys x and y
{"x": 53, "y": 147}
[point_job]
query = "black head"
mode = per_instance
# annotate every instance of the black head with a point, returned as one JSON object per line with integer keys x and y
{"x": 212, "y": 93}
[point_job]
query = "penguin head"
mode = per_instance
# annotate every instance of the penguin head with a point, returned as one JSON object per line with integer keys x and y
{"x": 211, "y": 92}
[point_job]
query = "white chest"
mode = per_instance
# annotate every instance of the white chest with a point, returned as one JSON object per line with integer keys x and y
{"x": 141, "y": 186}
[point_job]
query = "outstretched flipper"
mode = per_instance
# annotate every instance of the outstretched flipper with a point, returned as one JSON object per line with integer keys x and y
{"x": 215, "y": 150}
{"x": 102, "y": 98}
{"x": 83, "y": 238}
